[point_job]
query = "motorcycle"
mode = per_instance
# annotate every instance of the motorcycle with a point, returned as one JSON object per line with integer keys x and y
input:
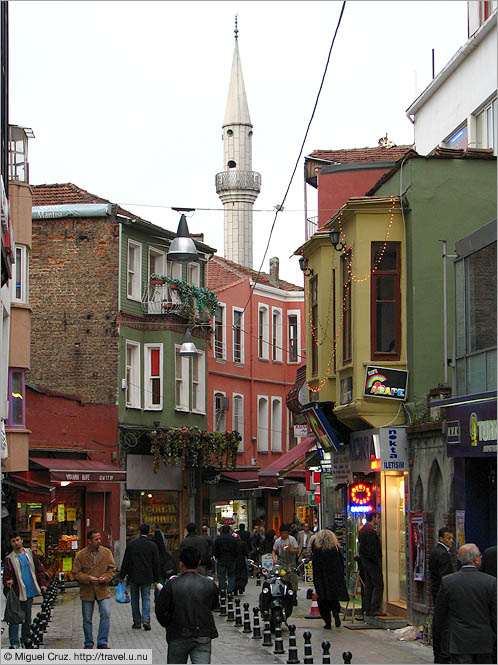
{"x": 277, "y": 596}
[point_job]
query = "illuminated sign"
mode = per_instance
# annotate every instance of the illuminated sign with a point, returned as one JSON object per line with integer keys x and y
{"x": 385, "y": 383}
{"x": 361, "y": 496}
{"x": 322, "y": 429}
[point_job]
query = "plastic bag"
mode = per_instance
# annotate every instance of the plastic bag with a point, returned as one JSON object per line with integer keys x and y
{"x": 14, "y": 614}
{"x": 407, "y": 633}
{"x": 121, "y": 593}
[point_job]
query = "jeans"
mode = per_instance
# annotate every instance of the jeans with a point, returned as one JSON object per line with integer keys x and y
{"x": 104, "y": 622}
{"x": 14, "y": 627}
{"x": 137, "y": 591}
{"x": 226, "y": 570}
{"x": 199, "y": 649}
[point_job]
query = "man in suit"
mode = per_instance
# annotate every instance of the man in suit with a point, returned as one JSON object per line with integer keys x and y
{"x": 466, "y": 606}
{"x": 141, "y": 565}
{"x": 489, "y": 561}
{"x": 303, "y": 542}
{"x": 93, "y": 569}
{"x": 440, "y": 560}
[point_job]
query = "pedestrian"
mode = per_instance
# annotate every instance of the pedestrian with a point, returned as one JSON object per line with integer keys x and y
{"x": 269, "y": 541}
{"x": 370, "y": 551}
{"x": 93, "y": 569}
{"x": 185, "y": 608}
{"x": 241, "y": 573}
{"x": 303, "y": 542}
{"x": 25, "y": 574}
{"x": 244, "y": 535}
{"x": 167, "y": 565}
{"x": 284, "y": 553}
{"x": 466, "y": 606}
{"x": 328, "y": 576}
{"x": 256, "y": 545}
{"x": 440, "y": 560}
{"x": 192, "y": 539}
{"x": 207, "y": 537}
{"x": 141, "y": 566}
{"x": 225, "y": 551}
{"x": 489, "y": 561}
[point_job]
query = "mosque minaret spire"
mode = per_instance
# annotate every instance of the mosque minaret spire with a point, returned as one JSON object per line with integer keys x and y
{"x": 237, "y": 185}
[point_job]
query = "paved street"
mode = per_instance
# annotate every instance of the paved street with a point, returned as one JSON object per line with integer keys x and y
{"x": 233, "y": 646}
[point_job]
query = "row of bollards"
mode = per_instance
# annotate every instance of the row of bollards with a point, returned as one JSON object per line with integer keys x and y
{"x": 234, "y": 616}
{"x": 39, "y": 626}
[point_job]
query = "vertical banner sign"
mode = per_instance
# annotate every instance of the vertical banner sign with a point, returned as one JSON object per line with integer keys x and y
{"x": 459, "y": 528}
{"x": 61, "y": 512}
{"x": 418, "y": 546}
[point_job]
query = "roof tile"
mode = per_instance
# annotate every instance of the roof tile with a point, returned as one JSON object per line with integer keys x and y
{"x": 222, "y": 272}
{"x": 351, "y": 155}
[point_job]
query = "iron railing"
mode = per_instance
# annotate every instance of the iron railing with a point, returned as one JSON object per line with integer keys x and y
{"x": 234, "y": 179}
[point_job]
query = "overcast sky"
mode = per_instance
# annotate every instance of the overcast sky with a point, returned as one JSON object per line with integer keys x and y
{"x": 127, "y": 99}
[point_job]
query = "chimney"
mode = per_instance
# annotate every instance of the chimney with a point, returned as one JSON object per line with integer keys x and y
{"x": 274, "y": 263}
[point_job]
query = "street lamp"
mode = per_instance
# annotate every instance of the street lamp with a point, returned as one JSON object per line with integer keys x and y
{"x": 188, "y": 348}
{"x": 335, "y": 236}
{"x": 303, "y": 264}
{"x": 182, "y": 248}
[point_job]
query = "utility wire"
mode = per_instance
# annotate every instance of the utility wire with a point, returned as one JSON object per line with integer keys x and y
{"x": 279, "y": 208}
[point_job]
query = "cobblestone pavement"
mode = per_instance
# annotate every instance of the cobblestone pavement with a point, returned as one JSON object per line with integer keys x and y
{"x": 232, "y": 646}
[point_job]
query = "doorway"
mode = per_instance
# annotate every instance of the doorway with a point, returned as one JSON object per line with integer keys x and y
{"x": 395, "y": 540}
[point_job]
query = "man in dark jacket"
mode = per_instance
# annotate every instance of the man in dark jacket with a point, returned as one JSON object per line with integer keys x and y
{"x": 141, "y": 565}
{"x": 489, "y": 561}
{"x": 192, "y": 539}
{"x": 185, "y": 608}
{"x": 225, "y": 551}
{"x": 466, "y": 607}
{"x": 370, "y": 551}
{"x": 244, "y": 535}
{"x": 440, "y": 560}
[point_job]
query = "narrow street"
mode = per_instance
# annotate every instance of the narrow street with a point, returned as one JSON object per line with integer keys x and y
{"x": 232, "y": 645}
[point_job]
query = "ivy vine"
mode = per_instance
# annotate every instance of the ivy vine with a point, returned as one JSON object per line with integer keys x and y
{"x": 193, "y": 447}
{"x": 188, "y": 293}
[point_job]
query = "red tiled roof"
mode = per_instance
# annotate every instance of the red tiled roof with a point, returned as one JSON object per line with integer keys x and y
{"x": 222, "y": 272}
{"x": 62, "y": 194}
{"x": 350, "y": 155}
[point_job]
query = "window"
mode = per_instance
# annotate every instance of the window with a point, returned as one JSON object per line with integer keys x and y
{"x": 175, "y": 272}
{"x": 21, "y": 274}
{"x": 262, "y": 424}
{"x": 276, "y": 424}
{"x": 314, "y": 324}
{"x": 157, "y": 262}
{"x": 276, "y": 334}
{"x": 293, "y": 330}
{"x": 133, "y": 387}
{"x": 475, "y": 321}
{"x": 459, "y": 139}
{"x": 220, "y": 420}
{"x": 238, "y": 419}
{"x": 181, "y": 381}
{"x": 263, "y": 332}
{"x": 134, "y": 270}
{"x": 16, "y": 398}
{"x": 346, "y": 308}
{"x": 486, "y": 127}
{"x": 153, "y": 376}
{"x": 194, "y": 274}
{"x": 238, "y": 337}
{"x": 198, "y": 383}
{"x": 385, "y": 306}
{"x": 220, "y": 332}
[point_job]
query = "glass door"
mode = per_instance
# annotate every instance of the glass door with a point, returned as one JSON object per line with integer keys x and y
{"x": 395, "y": 538}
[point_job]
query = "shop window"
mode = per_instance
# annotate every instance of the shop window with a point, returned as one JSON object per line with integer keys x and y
{"x": 276, "y": 424}
{"x": 262, "y": 424}
{"x": 276, "y": 334}
{"x": 134, "y": 270}
{"x": 16, "y": 398}
{"x": 154, "y": 376}
{"x": 263, "y": 332}
{"x": 133, "y": 387}
{"x": 220, "y": 421}
{"x": 293, "y": 339}
{"x": 238, "y": 338}
{"x": 159, "y": 508}
{"x": 238, "y": 418}
{"x": 20, "y": 283}
{"x": 220, "y": 332}
{"x": 385, "y": 306}
{"x": 347, "y": 297}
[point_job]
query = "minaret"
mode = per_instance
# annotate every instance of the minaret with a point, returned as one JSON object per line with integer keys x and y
{"x": 237, "y": 185}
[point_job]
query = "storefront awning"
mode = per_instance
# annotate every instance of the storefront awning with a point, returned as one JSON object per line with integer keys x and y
{"x": 245, "y": 479}
{"x": 286, "y": 463}
{"x": 22, "y": 480}
{"x": 81, "y": 470}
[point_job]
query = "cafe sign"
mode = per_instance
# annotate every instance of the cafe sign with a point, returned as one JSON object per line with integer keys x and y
{"x": 89, "y": 476}
{"x": 385, "y": 383}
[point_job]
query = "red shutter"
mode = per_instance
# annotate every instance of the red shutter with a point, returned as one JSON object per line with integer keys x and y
{"x": 154, "y": 362}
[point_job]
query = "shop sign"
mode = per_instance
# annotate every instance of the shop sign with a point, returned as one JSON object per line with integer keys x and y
{"x": 459, "y": 528}
{"x": 418, "y": 546}
{"x": 471, "y": 428}
{"x": 385, "y": 383}
{"x": 61, "y": 512}
{"x": 341, "y": 468}
{"x": 89, "y": 476}
{"x": 322, "y": 429}
{"x": 387, "y": 444}
{"x": 360, "y": 498}
{"x": 308, "y": 573}
{"x": 300, "y": 431}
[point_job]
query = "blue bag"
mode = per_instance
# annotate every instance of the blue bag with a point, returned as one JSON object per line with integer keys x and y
{"x": 121, "y": 593}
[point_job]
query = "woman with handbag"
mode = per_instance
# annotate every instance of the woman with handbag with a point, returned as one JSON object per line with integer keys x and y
{"x": 25, "y": 575}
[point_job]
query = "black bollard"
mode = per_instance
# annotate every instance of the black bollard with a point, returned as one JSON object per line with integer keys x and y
{"x": 36, "y": 637}
{"x": 258, "y": 579}
{"x": 230, "y": 612}
{"x": 256, "y": 630}
{"x": 326, "y": 652}
{"x": 308, "y": 656}
{"x": 28, "y": 642}
{"x": 309, "y": 594}
{"x": 267, "y": 641}
{"x": 292, "y": 646}
{"x": 247, "y": 619}
{"x": 238, "y": 614}
{"x": 279, "y": 642}
{"x": 223, "y": 603}
{"x": 347, "y": 656}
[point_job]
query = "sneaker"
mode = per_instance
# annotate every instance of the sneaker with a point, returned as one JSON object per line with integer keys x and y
{"x": 137, "y": 626}
{"x": 146, "y": 625}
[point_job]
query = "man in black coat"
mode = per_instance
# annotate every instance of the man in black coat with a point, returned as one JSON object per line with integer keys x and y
{"x": 440, "y": 560}
{"x": 226, "y": 551}
{"x": 370, "y": 551}
{"x": 466, "y": 606}
{"x": 141, "y": 565}
{"x": 489, "y": 561}
{"x": 192, "y": 539}
{"x": 244, "y": 535}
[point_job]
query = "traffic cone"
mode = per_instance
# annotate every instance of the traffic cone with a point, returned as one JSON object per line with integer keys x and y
{"x": 314, "y": 611}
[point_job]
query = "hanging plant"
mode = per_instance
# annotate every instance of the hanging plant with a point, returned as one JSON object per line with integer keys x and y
{"x": 189, "y": 294}
{"x": 193, "y": 447}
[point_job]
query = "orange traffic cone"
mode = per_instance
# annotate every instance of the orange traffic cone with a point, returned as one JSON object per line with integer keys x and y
{"x": 314, "y": 611}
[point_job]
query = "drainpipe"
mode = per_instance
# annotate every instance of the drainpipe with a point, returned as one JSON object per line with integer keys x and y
{"x": 445, "y": 257}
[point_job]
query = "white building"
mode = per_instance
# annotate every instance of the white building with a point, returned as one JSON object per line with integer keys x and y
{"x": 458, "y": 107}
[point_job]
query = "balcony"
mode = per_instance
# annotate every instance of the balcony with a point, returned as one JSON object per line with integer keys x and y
{"x": 161, "y": 299}
{"x": 174, "y": 296}
{"x": 233, "y": 179}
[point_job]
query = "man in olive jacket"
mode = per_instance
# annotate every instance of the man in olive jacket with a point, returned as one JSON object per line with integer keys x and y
{"x": 94, "y": 568}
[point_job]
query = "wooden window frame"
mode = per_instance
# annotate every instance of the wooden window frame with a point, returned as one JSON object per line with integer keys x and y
{"x": 347, "y": 309}
{"x": 395, "y": 354}
{"x": 314, "y": 324}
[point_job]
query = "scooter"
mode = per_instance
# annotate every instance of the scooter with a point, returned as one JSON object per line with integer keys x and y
{"x": 277, "y": 596}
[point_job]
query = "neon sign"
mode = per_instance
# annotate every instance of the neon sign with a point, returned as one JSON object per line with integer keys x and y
{"x": 361, "y": 496}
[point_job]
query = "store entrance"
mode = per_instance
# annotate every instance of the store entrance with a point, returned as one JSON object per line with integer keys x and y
{"x": 395, "y": 540}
